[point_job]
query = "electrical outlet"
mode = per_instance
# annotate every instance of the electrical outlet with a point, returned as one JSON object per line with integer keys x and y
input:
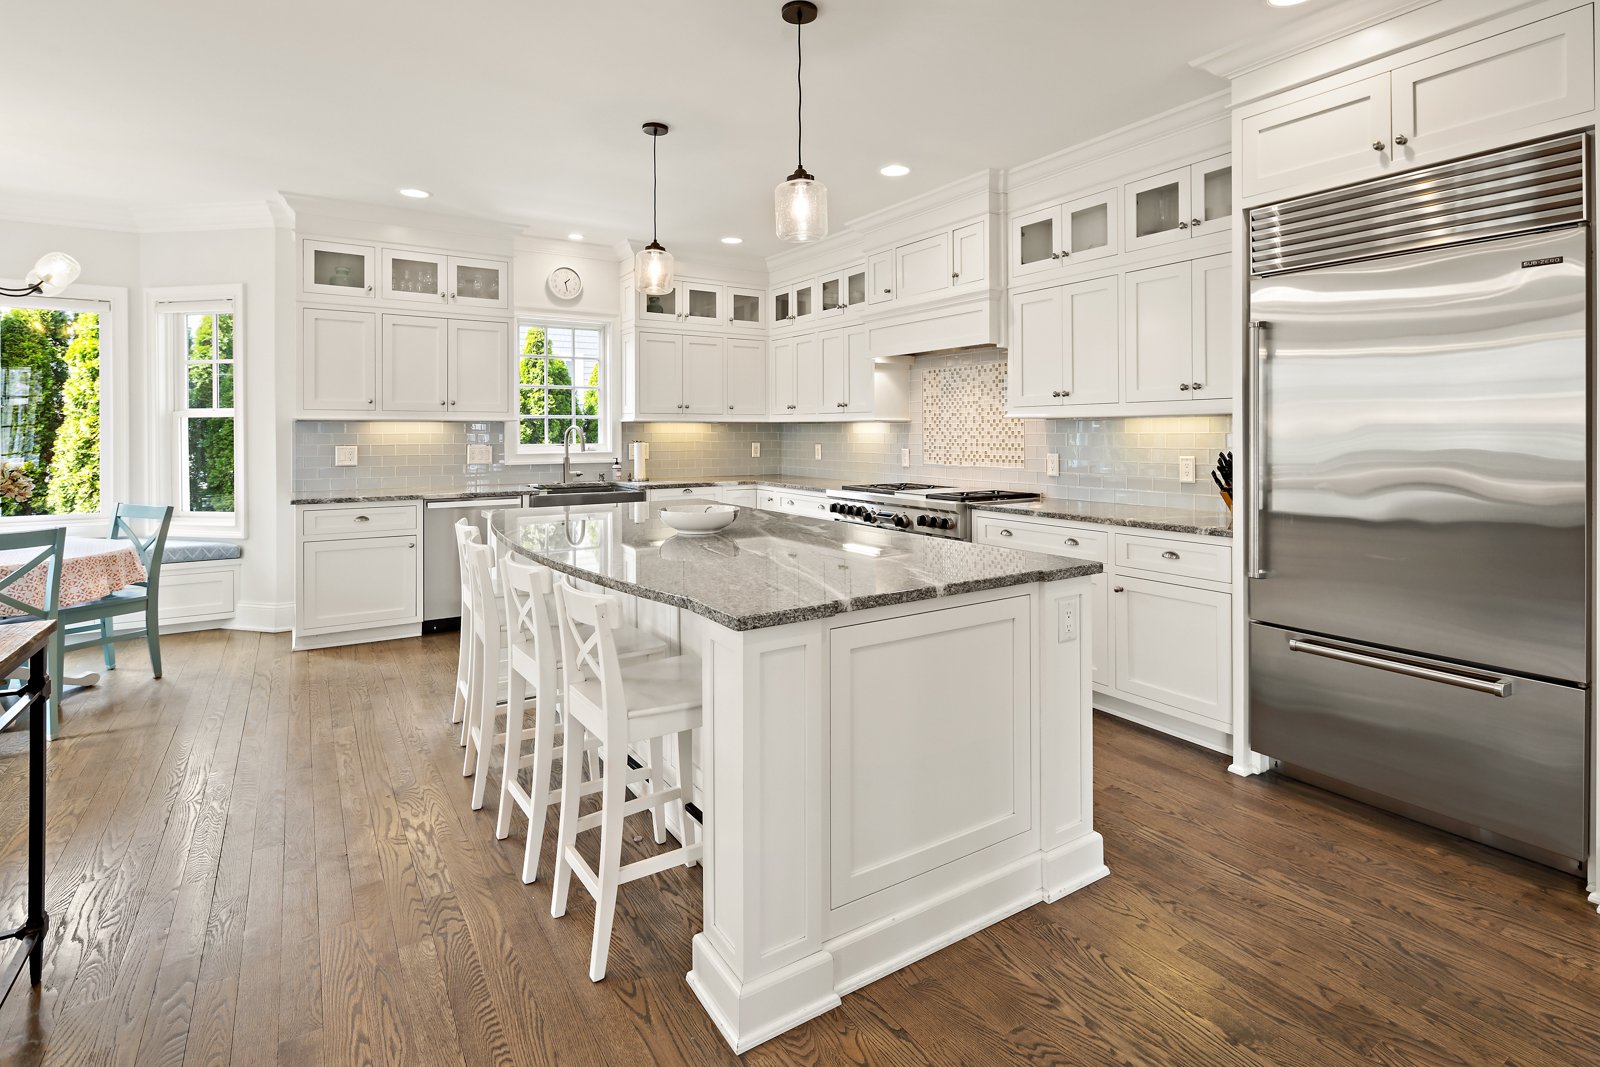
{"x": 755, "y": 449}
{"x": 344, "y": 455}
{"x": 818, "y": 453}
{"x": 1186, "y": 469}
{"x": 905, "y": 457}
{"x": 1068, "y": 629}
{"x": 481, "y": 454}
{"x": 1052, "y": 465}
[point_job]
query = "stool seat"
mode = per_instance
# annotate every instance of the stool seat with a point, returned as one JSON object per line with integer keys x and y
{"x": 655, "y": 687}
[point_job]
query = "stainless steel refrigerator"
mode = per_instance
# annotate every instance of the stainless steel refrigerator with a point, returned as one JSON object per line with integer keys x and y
{"x": 1418, "y": 539}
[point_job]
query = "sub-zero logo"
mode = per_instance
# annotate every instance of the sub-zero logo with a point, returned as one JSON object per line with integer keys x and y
{"x": 1543, "y": 262}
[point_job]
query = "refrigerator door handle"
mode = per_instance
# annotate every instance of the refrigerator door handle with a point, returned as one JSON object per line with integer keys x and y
{"x": 1494, "y": 686}
{"x": 1255, "y": 564}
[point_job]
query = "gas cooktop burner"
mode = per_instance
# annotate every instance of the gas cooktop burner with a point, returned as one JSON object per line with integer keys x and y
{"x": 890, "y": 487}
{"x": 981, "y": 496}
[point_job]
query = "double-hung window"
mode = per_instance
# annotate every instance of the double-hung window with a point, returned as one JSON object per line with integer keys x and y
{"x": 200, "y": 341}
{"x": 562, "y": 381}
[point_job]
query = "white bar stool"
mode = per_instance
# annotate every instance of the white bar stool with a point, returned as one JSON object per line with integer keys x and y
{"x": 621, "y": 705}
{"x": 483, "y": 620}
{"x": 466, "y": 534}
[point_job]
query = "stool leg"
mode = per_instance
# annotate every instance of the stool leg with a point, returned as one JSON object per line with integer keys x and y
{"x": 458, "y": 707}
{"x": 488, "y": 719}
{"x": 467, "y": 705}
{"x": 658, "y": 786}
{"x": 614, "y": 793}
{"x": 471, "y": 734}
{"x": 516, "y": 719}
{"x": 572, "y": 743}
{"x": 689, "y": 831}
{"x": 544, "y": 737}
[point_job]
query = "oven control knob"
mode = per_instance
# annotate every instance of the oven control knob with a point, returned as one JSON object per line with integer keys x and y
{"x": 946, "y": 524}
{"x": 902, "y": 521}
{"x": 859, "y": 512}
{"x": 835, "y": 508}
{"x": 922, "y": 520}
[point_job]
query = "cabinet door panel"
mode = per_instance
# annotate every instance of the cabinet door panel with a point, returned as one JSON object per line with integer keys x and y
{"x": 342, "y": 270}
{"x": 1038, "y": 353}
{"x": 480, "y": 368}
{"x": 705, "y": 367}
{"x": 1216, "y": 328}
{"x": 481, "y": 283}
{"x": 1211, "y": 196}
{"x": 414, "y": 364}
{"x": 338, "y": 360}
{"x": 1157, "y": 210}
{"x": 808, "y": 375}
{"x": 358, "y": 583}
{"x": 923, "y": 267}
{"x": 1092, "y": 341}
{"x": 1173, "y": 645}
{"x": 831, "y": 354}
{"x": 880, "y": 278}
{"x": 784, "y": 398}
{"x": 969, "y": 258}
{"x": 1160, "y": 336}
{"x": 859, "y": 391}
{"x": 1490, "y": 92}
{"x": 1036, "y": 241}
{"x": 744, "y": 306}
{"x": 1319, "y": 142}
{"x": 1089, "y": 228}
{"x": 702, "y": 302}
{"x": 415, "y": 277}
{"x": 747, "y": 377}
{"x": 661, "y": 307}
{"x": 660, "y": 370}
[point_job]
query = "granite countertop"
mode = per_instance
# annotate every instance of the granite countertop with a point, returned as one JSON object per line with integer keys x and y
{"x": 768, "y": 569}
{"x": 1140, "y": 516}
{"x": 778, "y": 481}
{"x": 478, "y": 492}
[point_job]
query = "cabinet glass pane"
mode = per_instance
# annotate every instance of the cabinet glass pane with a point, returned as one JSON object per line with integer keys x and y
{"x": 413, "y": 276}
{"x": 802, "y": 301}
{"x": 780, "y": 307}
{"x": 344, "y": 269}
{"x": 857, "y": 286}
{"x": 1217, "y": 196}
{"x": 478, "y": 283}
{"x": 1090, "y": 227}
{"x": 1038, "y": 240}
{"x": 702, "y": 303}
{"x": 665, "y": 304}
{"x": 830, "y": 295}
{"x": 1156, "y": 210}
{"x": 746, "y": 308}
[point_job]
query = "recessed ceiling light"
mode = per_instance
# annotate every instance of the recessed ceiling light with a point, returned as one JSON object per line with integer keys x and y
{"x": 733, "y": 240}
{"x": 1285, "y": 3}
{"x": 895, "y": 170}
{"x": 416, "y": 194}
{"x": 574, "y": 236}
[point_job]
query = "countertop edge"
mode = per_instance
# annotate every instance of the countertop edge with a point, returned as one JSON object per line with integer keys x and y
{"x": 1048, "y": 510}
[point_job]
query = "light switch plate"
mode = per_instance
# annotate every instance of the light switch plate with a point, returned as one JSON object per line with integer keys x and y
{"x": 1052, "y": 465}
{"x": 755, "y": 449}
{"x": 345, "y": 455}
{"x": 905, "y": 457}
{"x": 480, "y": 454}
{"x": 819, "y": 452}
{"x": 1186, "y": 469}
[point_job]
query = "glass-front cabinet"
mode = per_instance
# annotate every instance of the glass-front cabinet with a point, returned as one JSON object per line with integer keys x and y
{"x": 794, "y": 305}
{"x": 478, "y": 283}
{"x": 331, "y": 269}
{"x": 701, "y": 302}
{"x": 415, "y": 277}
{"x": 661, "y": 307}
{"x": 1211, "y": 196}
{"x": 1158, "y": 209}
{"x": 744, "y": 306}
{"x": 838, "y": 293}
{"x": 1064, "y": 235}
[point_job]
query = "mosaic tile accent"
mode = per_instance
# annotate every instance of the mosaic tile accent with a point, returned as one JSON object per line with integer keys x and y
{"x": 963, "y": 416}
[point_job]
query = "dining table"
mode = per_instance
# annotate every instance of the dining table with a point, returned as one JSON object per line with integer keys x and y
{"x": 91, "y": 568}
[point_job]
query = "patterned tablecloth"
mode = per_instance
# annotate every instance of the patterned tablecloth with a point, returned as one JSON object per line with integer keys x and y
{"x": 93, "y": 567}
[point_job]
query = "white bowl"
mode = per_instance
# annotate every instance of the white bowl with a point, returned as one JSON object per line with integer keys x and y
{"x": 699, "y": 518}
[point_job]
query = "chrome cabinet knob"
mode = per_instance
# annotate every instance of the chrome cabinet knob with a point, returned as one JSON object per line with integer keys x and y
{"x": 1400, "y": 138}
{"x": 441, "y": 403}
{"x": 954, "y": 275}
{"x": 1183, "y": 225}
{"x": 1116, "y": 589}
{"x": 886, "y": 292}
{"x": 1183, "y": 387}
{"x": 730, "y": 407}
{"x": 1195, "y": 386}
{"x": 1378, "y": 146}
{"x": 1194, "y": 223}
{"x": 1065, "y": 253}
{"x": 369, "y": 290}
{"x": 1169, "y": 555}
{"x": 452, "y": 403}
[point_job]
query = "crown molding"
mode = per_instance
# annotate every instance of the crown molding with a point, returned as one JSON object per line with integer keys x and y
{"x": 1305, "y": 33}
{"x": 239, "y": 215}
{"x": 560, "y": 246}
{"x": 395, "y": 214}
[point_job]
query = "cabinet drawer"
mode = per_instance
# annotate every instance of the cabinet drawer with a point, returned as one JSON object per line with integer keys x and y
{"x": 1040, "y": 537}
{"x": 1175, "y": 559}
{"x": 701, "y": 492}
{"x": 359, "y": 521}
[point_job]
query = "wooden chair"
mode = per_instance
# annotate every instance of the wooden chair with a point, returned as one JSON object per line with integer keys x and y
{"x": 94, "y": 624}
{"x": 621, "y": 705}
{"x": 48, "y": 546}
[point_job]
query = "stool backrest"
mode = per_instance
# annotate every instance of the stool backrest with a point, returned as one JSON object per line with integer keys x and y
{"x": 150, "y": 545}
{"x": 48, "y": 547}
{"x": 530, "y": 622}
{"x": 466, "y": 534}
{"x": 589, "y": 649}
{"x": 480, "y": 576}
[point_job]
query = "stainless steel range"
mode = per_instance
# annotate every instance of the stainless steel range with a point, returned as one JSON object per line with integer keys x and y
{"x": 932, "y": 510}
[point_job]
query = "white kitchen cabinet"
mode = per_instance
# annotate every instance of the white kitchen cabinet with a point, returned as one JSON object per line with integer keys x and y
{"x": 808, "y": 374}
{"x": 843, "y": 291}
{"x": 704, "y": 368}
{"x": 660, "y": 307}
{"x": 481, "y": 364}
{"x": 414, "y": 365}
{"x": 969, "y": 254}
{"x": 338, "y": 361}
{"x": 1064, "y": 345}
{"x": 329, "y": 268}
{"x": 746, "y": 376}
{"x": 1337, "y": 136}
{"x": 658, "y": 363}
{"x": 922, "y": 267}
{"x": 1211, "y": 196}
{"x": 784, "y": 391}
{"x": 702, "y": 302}
{"x": 835, "y": 386}
{"x": 358, "y": 583}
{"x": 794, "y": 306}
{"x": 478, "y": 283}
{"x": 1179, "y": 331}
{"x": 861, "y": 397}
{"x": 1173, "y": 645}
{"x": 1063, "y": 235}
{"x": 880, "y": 277}
{"x": 744, "y": 306}
{"x": 1193, "y": 201}
{"x": 416, "y": 277}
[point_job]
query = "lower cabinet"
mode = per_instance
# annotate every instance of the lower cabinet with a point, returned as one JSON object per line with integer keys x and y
{"x": 1173, "y": 645}
{"x": 359, "y": 573}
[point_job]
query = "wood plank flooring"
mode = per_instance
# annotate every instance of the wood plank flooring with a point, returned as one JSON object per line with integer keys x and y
{"x": 269, "y": 858}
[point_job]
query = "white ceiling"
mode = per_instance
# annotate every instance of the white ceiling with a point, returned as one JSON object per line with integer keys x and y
{"x": 529, "y": 110}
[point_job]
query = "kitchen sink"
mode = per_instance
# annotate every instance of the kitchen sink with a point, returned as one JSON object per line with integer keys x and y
{"x": 573, "y": 494}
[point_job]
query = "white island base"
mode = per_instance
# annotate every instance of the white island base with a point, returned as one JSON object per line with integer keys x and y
{"x": 880, "y": 784}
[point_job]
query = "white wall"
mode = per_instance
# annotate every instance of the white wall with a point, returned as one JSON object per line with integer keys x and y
{"x": 597, "y": 266}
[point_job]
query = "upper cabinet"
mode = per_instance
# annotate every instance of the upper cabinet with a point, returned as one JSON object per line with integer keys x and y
{"x": 1179, "y": 333}
{"x": 1064, "y": 235}
{"x": 1191, "y": 201}
{"x": 1426, "y": 108}
{"x": 843, "y": 292}
{"x": 794, "y": 305}
{"x": 931, "y": 265}
{"x": 328, "y": 268}
{"x": 419, "y": 277}
{"x": 1063, "y": 351}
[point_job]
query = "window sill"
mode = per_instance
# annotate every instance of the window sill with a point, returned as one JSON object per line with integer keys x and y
{"x": 189, "y": 528}
{"x": 592, "y": 458}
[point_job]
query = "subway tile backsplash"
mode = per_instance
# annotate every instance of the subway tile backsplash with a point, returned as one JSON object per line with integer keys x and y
{"x": 1126, "y": 460}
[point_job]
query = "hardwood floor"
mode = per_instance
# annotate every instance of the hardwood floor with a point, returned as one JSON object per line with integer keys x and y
{"x": 269, "y": 858}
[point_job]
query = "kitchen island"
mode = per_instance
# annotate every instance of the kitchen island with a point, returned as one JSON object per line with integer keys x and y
{"x": 896, "y": 749}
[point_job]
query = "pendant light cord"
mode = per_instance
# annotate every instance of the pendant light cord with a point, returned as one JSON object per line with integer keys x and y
{"x": 800, "y": 100}
{"x": 654, "y": 181}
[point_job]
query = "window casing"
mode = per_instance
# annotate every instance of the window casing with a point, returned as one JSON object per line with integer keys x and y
{"x": 563, "y": 377}
{"x": 199, "y": 343}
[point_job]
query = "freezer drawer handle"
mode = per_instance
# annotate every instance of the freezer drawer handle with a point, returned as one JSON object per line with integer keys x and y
{"x": 1498, "y": 687}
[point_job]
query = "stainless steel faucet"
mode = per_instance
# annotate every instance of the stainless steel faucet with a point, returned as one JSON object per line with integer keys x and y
{"x": 566, "y": 450}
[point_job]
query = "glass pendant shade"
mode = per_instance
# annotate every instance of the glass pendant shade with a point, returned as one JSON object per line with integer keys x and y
{"x": 54, "y": 272}
{"x": 801, "y": 204}
{"x": 652, "y": 270}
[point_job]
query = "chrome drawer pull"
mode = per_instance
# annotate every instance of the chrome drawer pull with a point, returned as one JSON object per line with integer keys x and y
{"x": 363, "y": 518}
{"x": 1497, "y": 687}
{"x": 1005, "y": 533}
{"x": 1073, "y": 541}
{"x": 1169, "y": 555}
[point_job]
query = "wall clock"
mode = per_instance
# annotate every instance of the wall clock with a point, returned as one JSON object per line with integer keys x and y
{"x": 565, "y": 283}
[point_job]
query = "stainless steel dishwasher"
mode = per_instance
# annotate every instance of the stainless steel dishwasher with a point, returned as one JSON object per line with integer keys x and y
{"x": 441, "y": 569}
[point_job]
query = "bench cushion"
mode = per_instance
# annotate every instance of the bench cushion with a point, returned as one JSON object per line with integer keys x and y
{"x": 199, "y": 551}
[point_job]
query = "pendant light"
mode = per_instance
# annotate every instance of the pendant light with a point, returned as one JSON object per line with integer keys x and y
{"x": 801, "y": 201}
{"x": 652, "y": 268}
{"x": 53, "y": 273}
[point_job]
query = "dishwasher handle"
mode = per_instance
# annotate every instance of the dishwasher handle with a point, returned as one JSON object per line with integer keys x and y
{"x": 1494, "y": 686}
{"x": 497, "y": 502}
